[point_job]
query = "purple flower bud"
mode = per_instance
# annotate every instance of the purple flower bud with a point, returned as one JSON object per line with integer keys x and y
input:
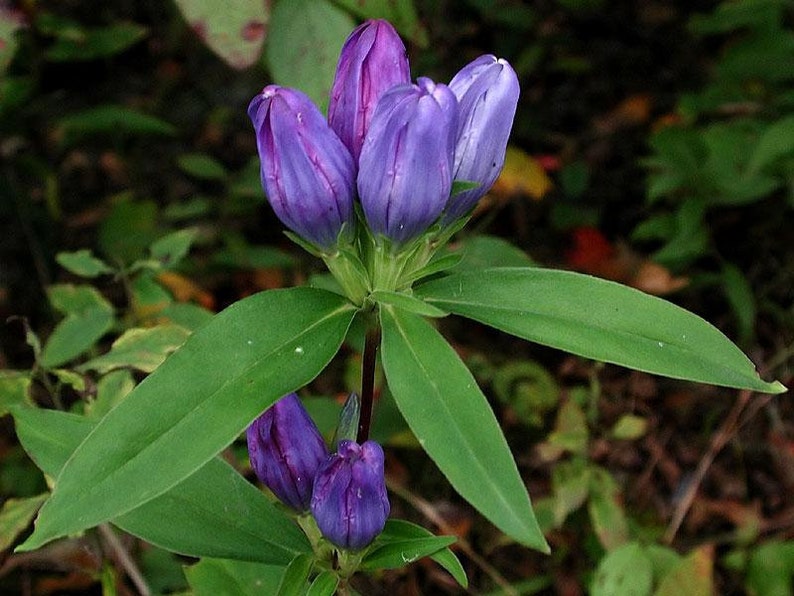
{"x": 307, "y": 172}
{"x": 286, "y": 449}
{"x": 405, "y": 169}
{"x": 372, "y": 61}
{"x": 349, "y": 502}
{"x": 487, "y": 91}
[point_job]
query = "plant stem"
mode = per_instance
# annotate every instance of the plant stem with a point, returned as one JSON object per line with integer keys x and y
{"x": 371, "y": 342}
{"x": 124, "y": 559}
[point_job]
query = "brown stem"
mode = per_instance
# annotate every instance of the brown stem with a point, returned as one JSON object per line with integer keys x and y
{"x": 368, "y": 382}
{"x": 124, "y": 559}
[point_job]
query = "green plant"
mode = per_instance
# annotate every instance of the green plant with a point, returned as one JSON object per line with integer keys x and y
{"x": 732, "y": 147}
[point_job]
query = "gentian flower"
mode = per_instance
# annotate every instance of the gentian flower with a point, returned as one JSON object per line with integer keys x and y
{"x": 286, "y": 450}
{"x": 487, "y": 91}
{"x": 405, "y": 168}
{"x": 349, "y": 502}
{"x": 372, "y": 61}
{"x": 307, "y": 172}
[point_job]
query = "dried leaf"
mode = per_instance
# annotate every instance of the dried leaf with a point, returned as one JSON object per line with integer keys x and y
{"x": 521, "y": 176}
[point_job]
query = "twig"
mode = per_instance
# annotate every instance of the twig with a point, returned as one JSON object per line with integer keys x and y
{"x": 433, "y": 516}
{"x": 123, "y": 558}
{"x": 718, "y": 441}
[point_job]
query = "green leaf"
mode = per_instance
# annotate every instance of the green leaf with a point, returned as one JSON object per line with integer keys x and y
{"x": 219, "y": 577}
{"x": 88, "y": 317}
{"x": 663, "y": 559}
{"x": 187, "y": 315}
{"x": 400, "y": 13}
{"x": 598, "y": 319}
{"x": 293, "y": 583}
{"x": 570, "y": 428}
{"x": 407, "y": 303}
{"x": 692, "y": 576}
{"x": 235, "y": 31}
{"x": 348, "y": 417}
{"x": 527, "y": 388}
{"x": 453, "y": 422}
{"x": 110, "y": 390}
{"x": 629, "y": 427}
{"x": 15, "y": 516}
{"x": 83, "y": 263}
{"x": 11, "y": 21}
{"x": 215, "y": 512}
{"x": 99, "y": 42}
{"x": 194, "y": 207}
{"x": 75, "y": 300}
{"x": 606, "y": 513}
{"x": 399, "y": 553}
{"x": 739, "y": 293}
{"x": 399, "y": 529}
{"x": 201, "y": 165}
{"x": 777, "y": 141}
{"x": 239, "y": 253}
{"x": 113, "y": 120}
{"x": 571, "y": 483}
{"x": 771, "y": 568}
{"x": 304, "y": 43}
{"x": 459, "y": 186}
{"x": 141, "y": 349}
{"x": 172, "y": 248}
{"x": 195, "y": 404}
{"x": 483, "y": 251}
{"x": 324, "y": 584}
{"x": 447, "y": 559}
{"x": 626, "y": 570}
{"x": 14, "y": 387}
{"x": 437, "y": 265}
{"x": 68, "y": 377}
{"x": 128, "y": 230}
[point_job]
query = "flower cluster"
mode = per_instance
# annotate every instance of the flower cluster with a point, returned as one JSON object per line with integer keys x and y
{"x": 394, "y": 146}
{"x": 372, "y": 190}
{"x": 345, "y": 491}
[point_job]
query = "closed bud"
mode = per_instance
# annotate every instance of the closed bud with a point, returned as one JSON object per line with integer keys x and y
{"x": 349, "y": 502}
{"x": 307, "y": 172}
{"x": 372, "y": 61}
{"x": 286, "y": 450}
{"x": 487, "y": 91}
{"x": 405, "y": 169}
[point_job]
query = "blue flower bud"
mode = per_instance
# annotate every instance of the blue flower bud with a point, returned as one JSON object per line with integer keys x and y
{"x": 372, "y": 61}
{"x": 405, "y": 168}
{"x": 307, "y": 172}
{"x": 487, "y": 91}
{"x": 349, "y": 502}
{"x": 286, "y": 450}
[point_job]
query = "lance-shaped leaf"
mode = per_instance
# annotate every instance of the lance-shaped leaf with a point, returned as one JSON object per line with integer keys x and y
{"x": 195, "y": 404}
{"x": 212, "y": 513}
{"x": 598, "y": 319}
{"x": 453, "y": 422}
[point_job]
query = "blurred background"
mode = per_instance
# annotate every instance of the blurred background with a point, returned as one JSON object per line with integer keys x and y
{"x": 653, "y": 145}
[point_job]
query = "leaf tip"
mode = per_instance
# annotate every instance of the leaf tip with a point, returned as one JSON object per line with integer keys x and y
{"x": 776, "y": 387}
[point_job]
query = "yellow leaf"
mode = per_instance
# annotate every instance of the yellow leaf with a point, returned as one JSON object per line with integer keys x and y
{"x": 521, "y": 175}
{"x": 185, "y": 289}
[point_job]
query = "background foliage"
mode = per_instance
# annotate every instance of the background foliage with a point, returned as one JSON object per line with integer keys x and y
{"x": 653, "y": 145}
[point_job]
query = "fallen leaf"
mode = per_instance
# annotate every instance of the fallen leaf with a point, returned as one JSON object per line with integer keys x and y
{"x": 522, "y": 175}
{"x": 592, "y": 253}
{"x": 633, "y": 110}
{"x": 655, "y": 279}
{"x": 185, "y": 289}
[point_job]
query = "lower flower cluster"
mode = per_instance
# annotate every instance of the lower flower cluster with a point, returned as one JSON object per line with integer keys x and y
{"x": 344, "y": 491}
